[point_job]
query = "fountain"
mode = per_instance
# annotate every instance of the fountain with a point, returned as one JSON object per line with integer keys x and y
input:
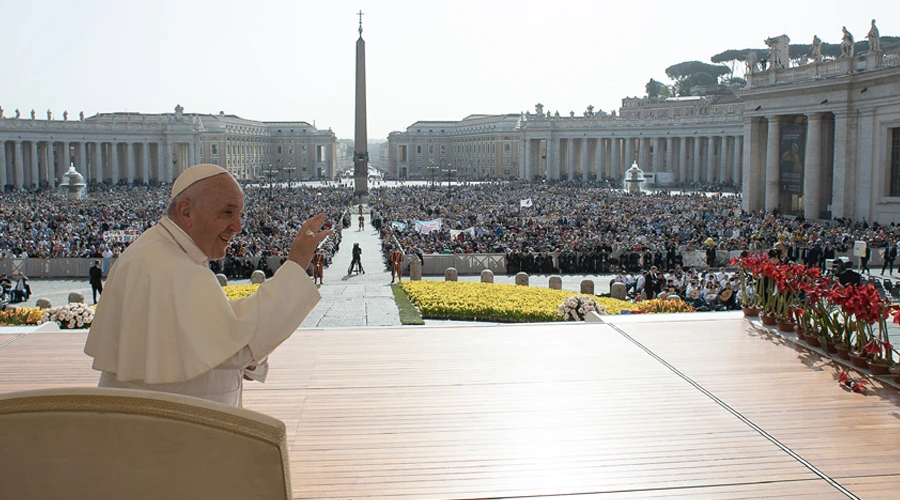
{"x": 73, "y": 183}
{"x": 634, "y": 178}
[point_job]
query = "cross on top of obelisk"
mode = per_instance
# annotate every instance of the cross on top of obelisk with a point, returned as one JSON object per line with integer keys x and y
{"x": 360, "y": 14}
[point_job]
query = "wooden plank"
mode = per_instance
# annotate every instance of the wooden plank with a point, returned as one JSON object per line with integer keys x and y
{"x": 547, "y": 410}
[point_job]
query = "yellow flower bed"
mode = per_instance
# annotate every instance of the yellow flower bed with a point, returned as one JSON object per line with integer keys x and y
{"x": 239, "y": 291}
{"x": 659, "y": 306}
{"x": 494, "y": 302}
{"x": 19, "y": 317}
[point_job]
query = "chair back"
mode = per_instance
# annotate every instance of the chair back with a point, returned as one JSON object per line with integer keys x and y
{"x": 139, "y": 445}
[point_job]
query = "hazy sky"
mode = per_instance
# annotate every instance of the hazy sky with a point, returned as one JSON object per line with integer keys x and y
{"x": 426, "y": 60}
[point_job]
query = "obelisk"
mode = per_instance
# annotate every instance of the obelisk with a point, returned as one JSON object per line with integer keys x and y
{"x": 360, "y": 138}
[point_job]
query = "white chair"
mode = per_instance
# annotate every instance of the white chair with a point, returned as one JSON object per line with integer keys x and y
{"x": 99, "y": 443}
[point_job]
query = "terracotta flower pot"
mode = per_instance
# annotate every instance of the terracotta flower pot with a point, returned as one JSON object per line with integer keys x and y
{"x": 880, "y": 368}
{"x": 786, "y": 327}
{"x": 750, "y": 311}
{"x": 768, "y": 320}
{"x": 859, "y": 361}
{"x": 843, "y": 351}
{"x": 812, "y": 339}
{"x": 829, "y": 346}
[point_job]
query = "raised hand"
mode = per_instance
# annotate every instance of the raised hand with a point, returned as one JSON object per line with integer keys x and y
{"x": 307, "y": 239}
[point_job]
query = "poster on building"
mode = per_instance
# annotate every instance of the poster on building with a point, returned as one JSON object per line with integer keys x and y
{"x": 792, "y": 152}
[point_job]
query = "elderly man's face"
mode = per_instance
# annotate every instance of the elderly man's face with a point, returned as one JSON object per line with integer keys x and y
{"x": 218, "y": 216}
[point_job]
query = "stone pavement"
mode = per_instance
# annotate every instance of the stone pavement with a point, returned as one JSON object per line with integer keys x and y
{"x": 358, "y": 299}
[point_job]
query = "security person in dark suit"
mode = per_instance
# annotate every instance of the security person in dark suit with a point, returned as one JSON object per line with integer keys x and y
{"x": 890, "y": 255}
{"x": 96, "y": 279}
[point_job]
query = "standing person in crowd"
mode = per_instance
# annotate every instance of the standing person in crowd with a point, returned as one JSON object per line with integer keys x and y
{"x": 890, "y": 255}
{"x": 362, "y": 222}
{"x": 319, "y": 266}
{"x": 356, "y": 262}
{"x": 864, "y": 260}
{"x": 166, "y": 325}
{"x": 396, "y": 259}
{"x": 96, "y": 279}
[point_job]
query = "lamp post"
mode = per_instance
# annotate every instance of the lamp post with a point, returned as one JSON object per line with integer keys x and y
{"x": 289, "y": 169}
{"x": 270, "y": 174}
{"x": 432, "y": 168}
{"x": 450, "y": 171}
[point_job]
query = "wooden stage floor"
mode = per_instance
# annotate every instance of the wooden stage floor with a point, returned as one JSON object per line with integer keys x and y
{"x": 643, "y": 407}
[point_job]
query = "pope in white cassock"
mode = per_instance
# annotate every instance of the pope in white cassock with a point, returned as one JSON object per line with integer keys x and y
{"x": 165, "y": 324}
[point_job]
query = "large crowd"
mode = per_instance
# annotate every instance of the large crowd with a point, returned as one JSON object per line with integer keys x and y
{"x": 576, "y": 229}
{"x": 44, "y": 224}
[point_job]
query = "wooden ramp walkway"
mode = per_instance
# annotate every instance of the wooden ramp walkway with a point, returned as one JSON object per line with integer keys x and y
{"x": 645, "y": 407}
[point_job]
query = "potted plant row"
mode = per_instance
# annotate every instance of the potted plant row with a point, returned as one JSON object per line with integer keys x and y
{"x": 847, "y": 320}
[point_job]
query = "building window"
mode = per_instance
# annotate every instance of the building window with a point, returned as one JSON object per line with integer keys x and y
{"x": 443, "y": 149}
{"x": 431, "y": 149}
{"x": 507, "y": 148}
{"x": 419, "y": 149}
{"x": 895, "y": 162}
{"x": 214, "y": 148}
{"x": 278, "y": 150}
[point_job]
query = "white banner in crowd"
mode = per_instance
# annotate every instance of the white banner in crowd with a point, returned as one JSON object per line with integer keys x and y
{"x": 120, "y": 236}
{"x": 526, "y": 203}
{"x": 399, "y": 226}
{"x": 456, "y": 232}
{"x": 427, "y": 226}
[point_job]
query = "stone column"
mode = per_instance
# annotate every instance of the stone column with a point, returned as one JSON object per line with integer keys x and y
{"x": 62, "y": 159}
{"x": 585, "y": 160}
{"x": 3, "y": 178}
{"x": 145, "y": 162}
{"x": 161, "y": 162}
{"x": 629, "y": 153}
{"x": 656, "y": 155}
{"x": 616, "y": 160}
{"x": 841, "y": 171}
{"x": 570, "y": 162}
{"x": 724, "y": 174}
{"x": 812, "y": 172}
{"x": 97, "y": 158}
{"x": 670, "y": 155}
{"x": 600, "y": 156}
{"x": 130, "y": 167}
{"x": 524, "y": 158}
{"x": 644, "y": 153}
{"x": 736, "y": 162}
{"x": 682, "y": 159}
{"x": 114, "y": 161}
{"x": 82, "y": 158}
{"x": 169, "y": 167}
{"x": 190, "y": 156}
{"x": 35, "y": 171}
{"x": 696, "y": 162}
{"x": 711, "y": 159}
{"x": 753, "y": 158}
{"x": 773, "y": 166}
{"x": 19, "y": 166}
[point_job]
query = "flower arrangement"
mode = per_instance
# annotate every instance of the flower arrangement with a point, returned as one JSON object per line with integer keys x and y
{"x": 662, "y": 306}
{"x": 749, "y": 272}
{"x": 70, "y": 316}
{"x": 576, "y": 307}
{"x": 493, "y": 302}
{"x": 21, "y": 316}
{"x": 234, "y": 292}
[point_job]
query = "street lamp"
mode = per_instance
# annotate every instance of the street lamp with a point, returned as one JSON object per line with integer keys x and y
{"x": 432, "y": 168}
{"x": 271, "y": 173}
{"x": 450, "y": 171}
{"x": 289, "y": 169}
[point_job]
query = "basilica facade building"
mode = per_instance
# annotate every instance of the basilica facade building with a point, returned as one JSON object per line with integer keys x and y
{"x": 144, "y": 148}
{"x": 821, "y": 140}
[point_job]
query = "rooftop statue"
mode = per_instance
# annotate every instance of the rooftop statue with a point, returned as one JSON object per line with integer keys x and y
{"x": 65, "y": 115}
{"x": 539, "y": 108}
{"x": 779, "y": 47}
{"x": 32, "y": 113}
{"x": 846, "y": 44}
{"x": 815, "y": 51}
{"x": 49, "y": 114}
{"x": 874, "y": 38}
{"x": 17, "y": 113}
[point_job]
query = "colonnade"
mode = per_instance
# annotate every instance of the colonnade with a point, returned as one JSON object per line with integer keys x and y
{"x": 26, "y": 163}
{"x": 822, "y": 184}
{"x": 688, "y": 158}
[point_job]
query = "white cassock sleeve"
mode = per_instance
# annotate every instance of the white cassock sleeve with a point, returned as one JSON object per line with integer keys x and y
{"x": 164, "y": 318}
